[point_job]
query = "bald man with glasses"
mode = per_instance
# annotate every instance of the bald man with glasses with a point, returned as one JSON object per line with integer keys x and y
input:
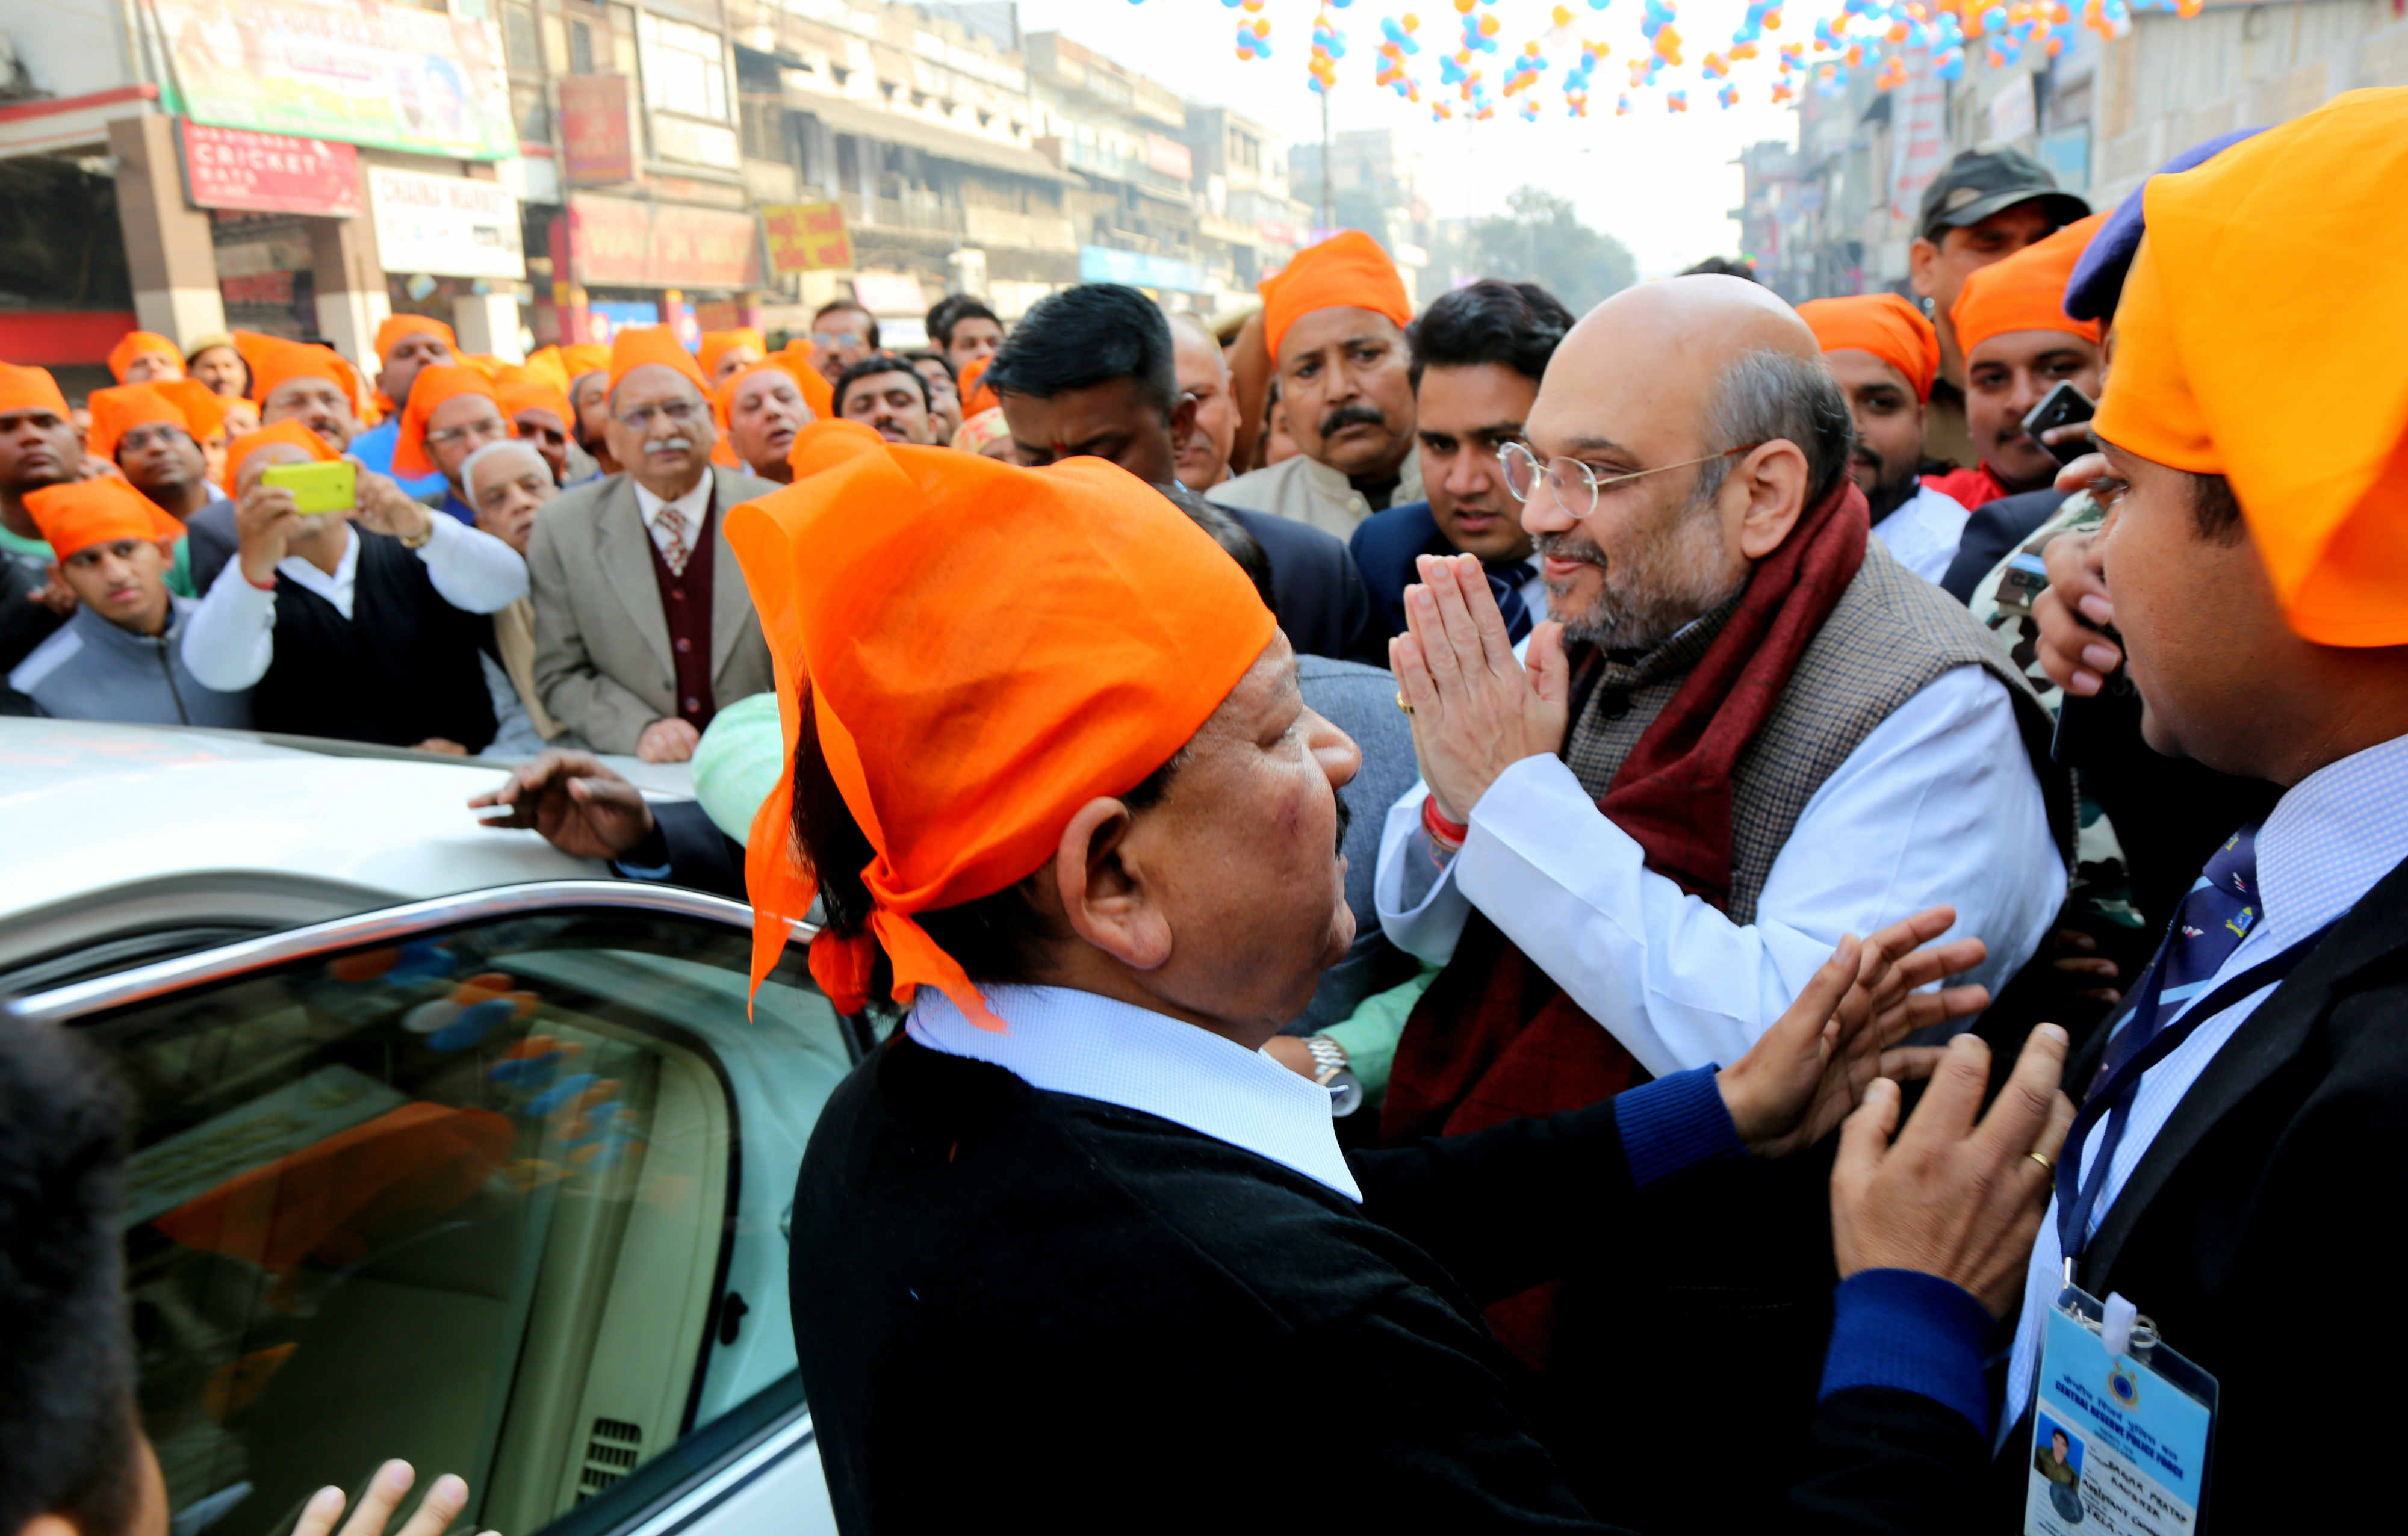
{"x": 1744, "y": 731}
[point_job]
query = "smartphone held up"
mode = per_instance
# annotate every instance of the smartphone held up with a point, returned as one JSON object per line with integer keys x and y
{"x": 2064, "y": 405}
{"x": 318, "y": 489}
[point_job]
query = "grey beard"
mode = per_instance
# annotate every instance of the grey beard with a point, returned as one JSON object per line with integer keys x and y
{"x": 1639, "y": 627}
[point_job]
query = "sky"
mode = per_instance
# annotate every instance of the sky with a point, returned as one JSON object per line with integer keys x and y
{"x": 1661, "y": 182}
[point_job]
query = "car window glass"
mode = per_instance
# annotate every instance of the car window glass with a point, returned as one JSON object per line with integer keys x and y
{"x": 506, "y": 1199}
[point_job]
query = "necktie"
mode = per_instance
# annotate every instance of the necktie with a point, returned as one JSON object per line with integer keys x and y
{"x": 673, "y": 550}
{"x": 1507, "y": 582}
{"x": 2215, "y": 914}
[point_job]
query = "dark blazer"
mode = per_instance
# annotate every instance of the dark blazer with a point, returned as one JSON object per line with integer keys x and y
{"x": 1315, "y": 589}
{"x": 1991, "y": 533}
{"x": 1386, "y": 544}
{"x": 2257, "y": 1233}
{"x": 1016, "y": 1303}
{"x": 697, "y": 853}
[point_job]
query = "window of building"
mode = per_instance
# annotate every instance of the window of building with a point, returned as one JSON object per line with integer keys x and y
{"x": 521, "y": 44}
{"x": 581, "y": 48}
{"x": 685, "y": 69}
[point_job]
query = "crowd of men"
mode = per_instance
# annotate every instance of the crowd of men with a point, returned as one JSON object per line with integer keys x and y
{"x": 1410, "y": 854}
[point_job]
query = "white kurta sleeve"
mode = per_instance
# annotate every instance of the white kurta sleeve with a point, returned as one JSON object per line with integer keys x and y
{"x": 473, "y": 570}
{"x": 230, "y": 640}
{"x": 1938, "y": 803}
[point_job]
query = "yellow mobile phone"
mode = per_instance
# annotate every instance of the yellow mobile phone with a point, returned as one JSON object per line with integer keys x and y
{"x": 317, "y": 487}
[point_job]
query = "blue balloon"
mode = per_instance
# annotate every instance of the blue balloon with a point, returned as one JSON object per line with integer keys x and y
{"x": 473, "y": 1024}
{"x": 561, "y": 1093}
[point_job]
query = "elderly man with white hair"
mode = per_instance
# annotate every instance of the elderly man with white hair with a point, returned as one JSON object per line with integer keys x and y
{"x": 507, "y": 483}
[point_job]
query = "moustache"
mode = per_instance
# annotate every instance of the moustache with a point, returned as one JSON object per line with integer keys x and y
{"x": 1566, "y": 546}
{"x": 1342, "y": 416}
{"x": 670, "y": 445}
{"x": 1870, "y": 459}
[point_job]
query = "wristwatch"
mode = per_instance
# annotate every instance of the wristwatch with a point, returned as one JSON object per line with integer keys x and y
{"x": 1330, "y": 1070}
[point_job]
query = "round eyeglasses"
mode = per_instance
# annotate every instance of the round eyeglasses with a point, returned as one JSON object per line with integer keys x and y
{"x": 1576, "y": 485}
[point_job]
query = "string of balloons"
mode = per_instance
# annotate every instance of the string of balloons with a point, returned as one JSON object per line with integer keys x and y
{"x": 1478, "y": 74}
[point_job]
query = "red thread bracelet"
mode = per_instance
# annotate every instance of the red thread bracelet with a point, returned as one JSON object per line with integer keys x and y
{"x": 1449, "y": 833}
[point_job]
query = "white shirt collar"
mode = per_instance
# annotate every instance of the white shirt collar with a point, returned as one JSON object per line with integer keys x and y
{"x": 693, "y": 504}
{"x": 1094, "y": 1047}
{"x": 2330, "y": 839}
{"x": 334, "y": 586}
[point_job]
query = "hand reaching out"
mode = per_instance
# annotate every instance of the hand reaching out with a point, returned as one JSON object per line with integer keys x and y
{"x": 1950, "y": 1197}
{"x": 1811, "y": 1067}
{"x": 385, "y": 1490}
{"x": 580, "y": 805}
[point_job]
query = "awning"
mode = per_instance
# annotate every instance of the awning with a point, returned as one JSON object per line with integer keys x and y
{"x": 850, "y": 117}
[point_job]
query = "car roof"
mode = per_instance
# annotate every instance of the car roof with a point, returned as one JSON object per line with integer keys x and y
{"x": 91, "y": 807}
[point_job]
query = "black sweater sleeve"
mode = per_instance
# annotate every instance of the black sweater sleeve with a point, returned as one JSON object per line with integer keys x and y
{"x": 1494, "y": 1206}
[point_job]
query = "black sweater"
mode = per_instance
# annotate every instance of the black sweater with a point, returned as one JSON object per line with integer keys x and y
{"x": 1015, "y": 1305}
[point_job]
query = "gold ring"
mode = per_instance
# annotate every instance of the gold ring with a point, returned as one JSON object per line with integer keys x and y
{"x": 1400, "y": 702}
{"x": 2043, "y": 1160}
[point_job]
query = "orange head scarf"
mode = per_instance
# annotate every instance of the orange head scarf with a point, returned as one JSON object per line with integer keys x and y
{"x": 1884, "y": 324}
{"x": 1347, "y": 270}
{"x": 23, "y": 387}
{"x": 717, "y": 344}
{"x": 2259, "y": 338}
{"x": 117, "y": 411}
{"x": 964, "y": 720}
{"x": 278, "y": 361}
{"x": 584, "y": 358}
{"x": 79, "y": 515}
{"x": 530, "y": 389}
{"x": 2026, "y": 291}
{"x": 723, "y": 403}
{"x": 544, "y": 363}
{"x": 389, "y": 334}
{"x": 977, "y": 396}
{"x": 632, "y": 349}
{"x": 285, "y": 431}
{"x": 133, "y": 344}
{"x": 443, "y": 382}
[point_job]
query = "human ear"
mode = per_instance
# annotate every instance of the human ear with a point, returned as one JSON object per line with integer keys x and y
{"x": 1105, "y": 893}
{"x": 1183, "y": 416}
{"x": 1922, "y": 257}
{"x": 1773, "y": 481}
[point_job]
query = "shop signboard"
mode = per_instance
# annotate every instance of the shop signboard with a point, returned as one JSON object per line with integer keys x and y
{"x": 806, "y": 237}
{"x": 268, "y": 172}
{"x": 445, "y": 227}
{"x": 1103, "y": 264}
{"x": 376, "y": 72}
{"x": 622, "y": 243}
{"x": 1168, "y": 156}
{"x": 597, "y": 134}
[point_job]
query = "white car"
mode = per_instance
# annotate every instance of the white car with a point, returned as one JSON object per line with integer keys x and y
{"x": 447, "y": 1146}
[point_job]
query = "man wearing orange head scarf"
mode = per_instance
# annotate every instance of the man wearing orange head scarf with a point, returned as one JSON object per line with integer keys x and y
{"x": 759, "y": 410}
{"x": 2020, "y": 344}
{"x": 724, "y": 352}
{"x": 309, "y": 384}
{"x": 39, "y": 447}
{"x": 1334, "y": 324}
{"x": 1087, "y": 842}
{"x": 120, "y": 655}
{"x": 453, "y": 410}
{"x": 642, "y": 629}
{"x": 2253, "y": 564}
{"x": 540, "y": 414}
{"x": 406, "y": 346}
{"x": 141, "y": 356}
{"x": 158, "y": 434}
{"x": 1885, "y": 355}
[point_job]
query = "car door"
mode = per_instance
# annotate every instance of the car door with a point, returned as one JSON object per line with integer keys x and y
{"x": 495, "y": 1183}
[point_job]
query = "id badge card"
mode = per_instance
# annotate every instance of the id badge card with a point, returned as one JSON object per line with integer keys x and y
{"x": 2119, "y": 1440}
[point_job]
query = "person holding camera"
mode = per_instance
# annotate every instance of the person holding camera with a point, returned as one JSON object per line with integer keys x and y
{"x": 362, "y": 622}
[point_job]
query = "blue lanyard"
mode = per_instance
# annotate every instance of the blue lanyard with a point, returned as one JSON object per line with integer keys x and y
{"x": 2113, "y": 1100}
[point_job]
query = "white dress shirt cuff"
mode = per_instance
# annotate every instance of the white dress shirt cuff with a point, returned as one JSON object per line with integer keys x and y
{"x": 473, "y": 570}
{"x": 230, "y": 638}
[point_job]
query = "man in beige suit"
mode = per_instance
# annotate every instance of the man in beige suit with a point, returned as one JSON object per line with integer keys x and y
{"x": 643, "y": 628}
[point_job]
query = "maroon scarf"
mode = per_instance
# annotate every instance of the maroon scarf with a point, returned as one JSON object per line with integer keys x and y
{"x": 1493, "y": 1039}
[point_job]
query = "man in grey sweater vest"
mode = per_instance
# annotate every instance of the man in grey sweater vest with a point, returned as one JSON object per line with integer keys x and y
{"x": 120, "y": 656}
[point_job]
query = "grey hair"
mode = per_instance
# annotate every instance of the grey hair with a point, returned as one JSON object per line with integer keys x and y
{"x": 469, "y": 466}
{"x": 1767, "y": 395}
